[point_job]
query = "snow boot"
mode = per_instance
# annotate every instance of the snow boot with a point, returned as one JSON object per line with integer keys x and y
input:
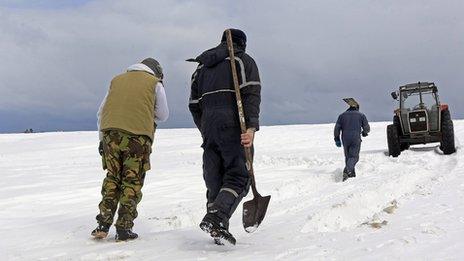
{"x": 218, "y": 241}
{"x": 100, "y": 232}
{"x": 352, "y": 174}
{"x": 348, "y": 174}
{"x": 125, "y": 234}
{"x": 214, "y": 226}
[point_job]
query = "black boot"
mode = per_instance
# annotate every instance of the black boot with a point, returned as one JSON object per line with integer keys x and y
{"x": 101, "y": 231}
{"x": 348, "y": 174}
{"x": 352, "y": 174}
{"x": 125, "y": 234}
{"x": 214, "y": 225}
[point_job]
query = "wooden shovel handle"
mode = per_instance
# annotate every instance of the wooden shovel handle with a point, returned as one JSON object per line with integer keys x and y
{"x": 241, "y": 113}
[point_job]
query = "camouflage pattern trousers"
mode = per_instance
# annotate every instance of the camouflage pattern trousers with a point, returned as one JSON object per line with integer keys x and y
{"x": 126, "y": 158}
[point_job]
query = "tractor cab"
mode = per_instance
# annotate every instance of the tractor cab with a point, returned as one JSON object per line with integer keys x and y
{"x": 419, "y": 110}
{"x": 420, "y": 119}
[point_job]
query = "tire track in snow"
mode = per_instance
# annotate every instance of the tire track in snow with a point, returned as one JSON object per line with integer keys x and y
{"x": 330, "y": 206}
{"x": 384, "y": 185}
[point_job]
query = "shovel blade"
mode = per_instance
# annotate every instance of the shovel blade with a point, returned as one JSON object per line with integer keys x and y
{"x": 254, "y": 211}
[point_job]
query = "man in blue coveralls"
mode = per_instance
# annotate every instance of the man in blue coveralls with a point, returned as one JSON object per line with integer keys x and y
{"x": 352, "y": 124}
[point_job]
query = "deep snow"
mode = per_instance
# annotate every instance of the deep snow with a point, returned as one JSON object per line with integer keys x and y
{"x": 51, "y": 187}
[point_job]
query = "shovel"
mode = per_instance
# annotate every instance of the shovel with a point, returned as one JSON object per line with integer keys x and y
{"x": 255, "y": 209}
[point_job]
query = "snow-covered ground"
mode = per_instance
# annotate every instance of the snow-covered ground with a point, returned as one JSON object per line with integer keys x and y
{"x": 50, "y": 188}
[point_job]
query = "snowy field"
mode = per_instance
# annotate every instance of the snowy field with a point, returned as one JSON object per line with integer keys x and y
{"x": 51, "y": 188}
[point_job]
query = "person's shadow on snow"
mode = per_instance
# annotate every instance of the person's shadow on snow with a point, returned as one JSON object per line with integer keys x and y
{"x": 337, "y": 175}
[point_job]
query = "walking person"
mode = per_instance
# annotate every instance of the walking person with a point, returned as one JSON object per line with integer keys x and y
{"x": 126, "y": 121}
{"x": 215, "y": 113}
{"x": 352, "y": 124}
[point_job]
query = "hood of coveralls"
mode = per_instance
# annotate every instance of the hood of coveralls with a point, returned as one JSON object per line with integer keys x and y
{"x": 212, "y": 57}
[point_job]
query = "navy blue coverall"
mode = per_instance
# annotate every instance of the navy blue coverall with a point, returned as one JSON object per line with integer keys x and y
{"x": 351, "y": 123}
{"x": 214, "y": 110}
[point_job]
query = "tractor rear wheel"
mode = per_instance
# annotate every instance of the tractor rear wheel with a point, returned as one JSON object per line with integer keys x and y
{"x": 394, "y": 147}
{"x": 396, "y": 122}
{"x": 404, "y": 146}
{"x": 447, "y": 131}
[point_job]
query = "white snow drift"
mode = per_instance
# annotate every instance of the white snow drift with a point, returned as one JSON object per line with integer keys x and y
{"x": 51, "y": 183}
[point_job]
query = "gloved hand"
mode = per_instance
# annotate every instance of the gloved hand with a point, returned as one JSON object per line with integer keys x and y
{"x": 338, "y": 143}
{"x": 100, "y": 148}
{"x": 364, "y": 134}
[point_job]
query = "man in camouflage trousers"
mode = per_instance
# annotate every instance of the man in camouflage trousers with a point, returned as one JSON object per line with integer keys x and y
{"x": 135, "y": 100}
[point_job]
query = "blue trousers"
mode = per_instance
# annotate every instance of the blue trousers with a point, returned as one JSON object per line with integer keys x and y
{"x": 352, "y": 147}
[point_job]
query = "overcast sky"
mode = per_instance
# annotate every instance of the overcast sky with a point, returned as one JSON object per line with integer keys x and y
{"x": 58, "y": 57}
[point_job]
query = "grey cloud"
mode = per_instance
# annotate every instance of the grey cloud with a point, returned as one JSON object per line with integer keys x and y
{"x": 56, "y": 64}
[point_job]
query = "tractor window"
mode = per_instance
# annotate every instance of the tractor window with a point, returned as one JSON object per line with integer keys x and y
{"x": 411, "y": 101}
{"x": 429, "y": 100}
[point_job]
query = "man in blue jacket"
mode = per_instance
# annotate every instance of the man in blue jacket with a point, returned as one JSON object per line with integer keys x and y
{"x": 352, "y": 124}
